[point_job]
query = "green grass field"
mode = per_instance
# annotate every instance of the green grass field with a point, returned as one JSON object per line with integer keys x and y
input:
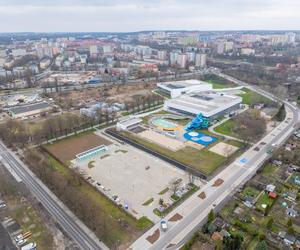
{"x": 218, "y": 82}
{"x": 250, "y": 97}
{"x": 249, "y": 191}
{"x": 202, "y": 160}
{"x": 269, "y": 169}
{"x": 221, "y": 85}
{"x": 226, "y": 128}
{"x": 264, "y": 199}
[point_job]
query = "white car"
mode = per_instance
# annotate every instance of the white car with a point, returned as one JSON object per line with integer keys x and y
{"x": 163, "y": 225}
{"x": 22, "y": 242}
{"x": 3, "y": 205}
{"x": 19, "y": 237}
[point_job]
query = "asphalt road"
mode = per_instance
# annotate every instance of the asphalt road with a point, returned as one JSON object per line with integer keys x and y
{"x": 73, "y": 227}
{"x": 194, "y": 210}
{"x": 5, "y": 240}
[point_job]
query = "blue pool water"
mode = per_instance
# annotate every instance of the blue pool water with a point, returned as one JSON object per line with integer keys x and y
{"x": 165, "y": 124}
{"x": 200, "y": 138}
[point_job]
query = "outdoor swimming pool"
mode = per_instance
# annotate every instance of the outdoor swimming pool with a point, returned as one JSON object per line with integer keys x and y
{"x": 164, "y": 124}
{"x": 200, "y": 138}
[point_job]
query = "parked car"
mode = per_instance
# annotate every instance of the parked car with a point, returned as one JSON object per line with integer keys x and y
{"x": 163, "y": 225}
{"x": 21, "y": 242}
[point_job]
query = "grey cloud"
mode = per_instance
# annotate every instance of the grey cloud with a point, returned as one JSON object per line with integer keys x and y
{"x": 133, "y": 15}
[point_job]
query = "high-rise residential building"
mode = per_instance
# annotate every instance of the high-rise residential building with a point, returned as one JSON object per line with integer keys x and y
{"x": 191, "y": 56}
{"x": 2, "y": 53}
{"x": 173, "y": 57}
{"x": 290, "y": 37}
{"x": 93, "y": 50}
{"x": 143, "y": 50}
{"x": 162, "y": 55}
{"x": 200, "y": 60}
{"x": 159, "y": 35}
{"x": 107, "y": 49}
{"x": 228, "y": 46}
{"x": 220, "y": 47}
{"x": 18, "y": 52}
{"x": 44, "y": 52}
{"x": 182, "y": 60}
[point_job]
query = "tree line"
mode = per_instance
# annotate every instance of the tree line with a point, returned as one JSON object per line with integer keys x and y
{"x": 18, "y": 133}
{"x": 70, "y": 190}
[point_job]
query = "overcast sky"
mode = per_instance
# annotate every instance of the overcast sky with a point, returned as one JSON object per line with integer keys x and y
{"x": 137, "y": 15}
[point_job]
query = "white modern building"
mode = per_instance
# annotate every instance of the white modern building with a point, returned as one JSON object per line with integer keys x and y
{"x": 175, "y": 89}
{"x": 128, "y": 123}
{"x": 211, "y": 104}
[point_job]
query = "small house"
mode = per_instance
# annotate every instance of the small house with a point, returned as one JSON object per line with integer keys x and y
{"x": 277, "y": 163}
{"x": 291, "y": 195}
{"x": 289, "y": 239}
{"x": 217, "y": 236}
{"x": 270, "y": 188}
{"x": 281, "y": 235}
{"x": 293, "y": 168}
{"x": 219, "y": 223}
{"x": 272, "y": 195}
{"x": 291, "y": 212}
{"x": 249, "y": 201}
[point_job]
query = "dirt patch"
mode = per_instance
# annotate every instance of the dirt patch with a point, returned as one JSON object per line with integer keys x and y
{"x": 162, "y": 140}
{"x": 202, "y": 195}
{"x": 154, "y": 237}
{"x": 223, "y": 149}
{"x": 67, "y": 149}
{"x": 218, "y": 182}
{"x": 194, "y": 145}
{"x": 176, "y": 217}
{"x": 113, "y": 93}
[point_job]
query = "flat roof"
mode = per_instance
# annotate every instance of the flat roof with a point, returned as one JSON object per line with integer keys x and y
{"x": 207, "y": 101}
{"x": 183, "y": 84}
{"x": 130, "y": 121}
{"x": 28, "y": 108}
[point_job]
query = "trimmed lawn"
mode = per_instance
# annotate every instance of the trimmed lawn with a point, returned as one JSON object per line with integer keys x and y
{"x": 163, "y": 191}
{"x": 264, "y": 199}
{"x": 177, "y": 201}
{"x": 148, "y": 202}
{"x": 250, "y": 191}
{"x": 143, "y": 223}
{"x": 269, "y": 169}
{"x": 218, "y": 82}
{"x": 202, "y": 160}
{"x": 226, "y": 128}
{"x": 221, "y": 85}
{"x": 250, "y": 97}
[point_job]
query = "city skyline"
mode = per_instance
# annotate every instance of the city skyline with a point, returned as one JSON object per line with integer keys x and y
{"x": 105, "y": 16}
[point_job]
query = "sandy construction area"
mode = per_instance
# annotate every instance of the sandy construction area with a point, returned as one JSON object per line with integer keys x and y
{"x": 162, "y": 140}
{"x": 223, "y": 149}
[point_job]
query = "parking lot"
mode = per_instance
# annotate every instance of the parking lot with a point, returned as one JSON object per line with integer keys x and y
{"x": 131, "y": 178}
